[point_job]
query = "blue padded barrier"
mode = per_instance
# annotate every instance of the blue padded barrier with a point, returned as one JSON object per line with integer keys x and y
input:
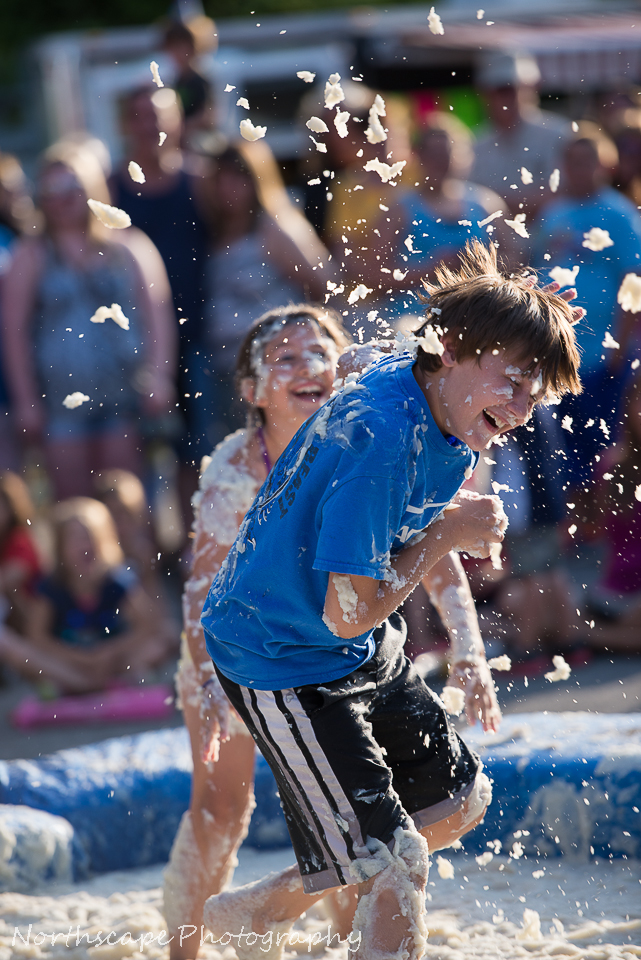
{"x": 124, "y": 797}
{"x": 35, "y": 847}
{"x": 565, "y": 783}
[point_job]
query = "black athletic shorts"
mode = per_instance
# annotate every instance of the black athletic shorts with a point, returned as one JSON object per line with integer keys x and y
{"x": 355, "y": 758}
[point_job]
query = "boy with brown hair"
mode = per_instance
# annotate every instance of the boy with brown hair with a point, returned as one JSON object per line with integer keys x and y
{"x": 301, "y": 623}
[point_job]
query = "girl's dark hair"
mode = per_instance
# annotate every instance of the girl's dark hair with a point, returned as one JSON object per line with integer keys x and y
{"x": 16, "y": 494}
{"x": 269, "y": 324}
{"x": 485, "y": 308}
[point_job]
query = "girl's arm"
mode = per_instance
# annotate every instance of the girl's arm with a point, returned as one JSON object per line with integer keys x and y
{"x": 448, "y": 588}
{"x": 215, "y": 526}
{"x": 19, "y": 290}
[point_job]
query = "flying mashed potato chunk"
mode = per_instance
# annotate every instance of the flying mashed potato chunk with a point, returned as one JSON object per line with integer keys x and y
{"x": 333, "y": 91}
{"x": 435, "y": 23}
{"x": 249, "y": 132}
{"x": 453, "y": 700}
{"x": 518, "y": 225}
{"x": 112, "y": 217}
{"x": 340, "y": 122}
{"x": 384, "y": 170}
{"x": 115, "y": 312}
{"x": 135, "y": 172}
{"x": 562, "y": 670}
{"x": 73, "y": 400}
{"x": 445, "y": 868}
{"x": 629, "y": 295}
{"x": 316, "y": 125}
{"x": 564, "y": 276}
{"x": 358, "y": 293}
{"x": 597, "y": 239}
{"x": 155, "y": 74}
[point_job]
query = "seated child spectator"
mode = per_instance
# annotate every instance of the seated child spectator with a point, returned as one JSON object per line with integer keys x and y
{"x": 19, "y": 560}
{"x": 124, "y": 496}
{"x": 615, "y": 600}
{"x": 363, "y": 505}
{"x": 91, "y": 622}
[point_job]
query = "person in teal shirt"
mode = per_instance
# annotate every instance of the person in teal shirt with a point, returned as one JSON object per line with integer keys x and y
{"x": 587, "y": 201}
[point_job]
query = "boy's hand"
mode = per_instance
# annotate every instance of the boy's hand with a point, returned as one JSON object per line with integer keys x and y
{"x": 480, "y": 696}
{"x": 473, "y": 522}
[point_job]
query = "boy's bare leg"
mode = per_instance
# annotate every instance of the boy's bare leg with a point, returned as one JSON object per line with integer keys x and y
{"x": 276, "y": 902}
{"x": 268, "y": 906}
{"x": 340, "y": 906}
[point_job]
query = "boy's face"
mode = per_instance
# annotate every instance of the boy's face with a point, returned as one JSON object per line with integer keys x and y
{"x": 477, "y": 401}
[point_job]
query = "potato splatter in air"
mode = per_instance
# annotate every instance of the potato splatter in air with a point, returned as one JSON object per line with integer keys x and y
{"x": 112, "y": 217}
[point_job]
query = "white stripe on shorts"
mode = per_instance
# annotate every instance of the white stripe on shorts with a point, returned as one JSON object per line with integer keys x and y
{"x": 306, "y": 785}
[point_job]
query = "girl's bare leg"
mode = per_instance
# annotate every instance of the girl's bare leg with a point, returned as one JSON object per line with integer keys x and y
{"x": 204, "y": 852}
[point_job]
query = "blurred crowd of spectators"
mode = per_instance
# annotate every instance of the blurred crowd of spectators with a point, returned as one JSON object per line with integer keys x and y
{"x": 218, "y": 237}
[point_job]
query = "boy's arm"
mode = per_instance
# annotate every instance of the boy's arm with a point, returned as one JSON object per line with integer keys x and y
{"x": 354, "y": 605}
{"x": 449, "y": 591}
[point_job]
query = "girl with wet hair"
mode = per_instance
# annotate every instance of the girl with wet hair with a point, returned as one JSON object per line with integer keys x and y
{"x": 285, "y": 370}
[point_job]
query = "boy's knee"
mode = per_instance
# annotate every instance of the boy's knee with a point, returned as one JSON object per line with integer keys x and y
{"x": 476, "y": 803}
{"x": 412, "y": 848}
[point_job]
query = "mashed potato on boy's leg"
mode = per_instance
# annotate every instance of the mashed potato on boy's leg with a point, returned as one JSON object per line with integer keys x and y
{"x": 390, "y": 919}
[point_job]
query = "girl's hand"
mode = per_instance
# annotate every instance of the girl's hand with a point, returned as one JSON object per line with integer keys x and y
{"x": 475, "y": 679}
{"x": 214, "y": 714}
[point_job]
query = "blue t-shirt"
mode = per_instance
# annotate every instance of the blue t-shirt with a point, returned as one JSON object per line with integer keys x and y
{"x": 560, "y": 233}
{"x": 363, "y": 475}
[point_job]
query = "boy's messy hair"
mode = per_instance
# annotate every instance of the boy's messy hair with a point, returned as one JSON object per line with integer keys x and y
{"x": 485, "y": 308}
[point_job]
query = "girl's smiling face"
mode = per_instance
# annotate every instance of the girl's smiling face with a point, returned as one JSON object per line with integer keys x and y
{"x": 295, "y": 374}
{"x": 478, "y": 400}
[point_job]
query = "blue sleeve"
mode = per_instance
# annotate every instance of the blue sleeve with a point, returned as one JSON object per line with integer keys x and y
{"x": 358, "y": 524}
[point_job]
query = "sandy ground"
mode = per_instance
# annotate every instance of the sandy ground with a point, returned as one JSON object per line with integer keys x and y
{"x": 581, "y": 910}
{"x": 503, "y": 910}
